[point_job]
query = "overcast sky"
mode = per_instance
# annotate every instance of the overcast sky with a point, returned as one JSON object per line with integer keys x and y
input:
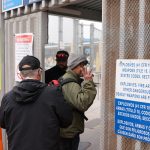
{"x": 98, "y": 25}
{"x": 68, "y": 28}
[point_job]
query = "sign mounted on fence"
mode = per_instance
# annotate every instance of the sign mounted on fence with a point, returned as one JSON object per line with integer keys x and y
{"x": 23, "y": 47}
{"x": 132, "y": 99}
{"x": 11, "y": 4}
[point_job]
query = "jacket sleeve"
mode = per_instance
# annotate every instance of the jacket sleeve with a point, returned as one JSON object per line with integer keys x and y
{"x": 2, "y": 113}
{"x": 63, "y": 110}
{"x": 80, "y": 97}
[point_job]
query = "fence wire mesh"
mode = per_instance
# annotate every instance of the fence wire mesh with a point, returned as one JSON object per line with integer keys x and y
{"x": 126, "y": 35}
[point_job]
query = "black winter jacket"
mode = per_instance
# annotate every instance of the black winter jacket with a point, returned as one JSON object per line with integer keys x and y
{"x": 53, "y": 73}
{"x": 32, "y": 115}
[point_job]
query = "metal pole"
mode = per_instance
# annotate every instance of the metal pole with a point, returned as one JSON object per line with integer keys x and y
{"x": 92, "y": 45}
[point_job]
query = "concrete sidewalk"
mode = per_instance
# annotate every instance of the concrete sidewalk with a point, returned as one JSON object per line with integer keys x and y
{"x": 90, "y": 139}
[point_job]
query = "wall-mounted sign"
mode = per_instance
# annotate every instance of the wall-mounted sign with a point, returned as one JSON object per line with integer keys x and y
{"x": 132, "y": 99}
{"x": 25, "y": 2}
{"x": 11, "y": 4}
{"x": 23, "y": 47}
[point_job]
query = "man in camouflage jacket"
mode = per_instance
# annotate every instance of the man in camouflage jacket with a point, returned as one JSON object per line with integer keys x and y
{"x": 80, "y": 94}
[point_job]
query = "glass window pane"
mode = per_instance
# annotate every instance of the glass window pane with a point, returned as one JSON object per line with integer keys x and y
{"x": 86, "y": 33}
{"x": 67, "y": 42}
{"x": 53, "y": 30}
{"x": 52, "y": 46}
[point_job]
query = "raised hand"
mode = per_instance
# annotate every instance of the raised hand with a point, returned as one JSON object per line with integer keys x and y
{"x": 87, "y": 74}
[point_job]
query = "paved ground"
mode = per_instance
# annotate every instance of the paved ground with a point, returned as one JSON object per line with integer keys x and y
{"x": 90, "y": 139}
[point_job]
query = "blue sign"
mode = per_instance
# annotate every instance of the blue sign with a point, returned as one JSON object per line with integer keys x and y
{"x": 132, "y": 99}
{"x": 11, "y": 4}
{"x": 33, "y": 1}
{"x": 26, "y": 2}
{"x": 132, "y": 119}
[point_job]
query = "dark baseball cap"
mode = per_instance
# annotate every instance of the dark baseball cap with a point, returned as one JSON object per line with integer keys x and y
{"x": 62, "y": 55}
{"x": 31, "y": 61}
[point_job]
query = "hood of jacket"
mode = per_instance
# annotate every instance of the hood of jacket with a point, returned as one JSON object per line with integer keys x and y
{"x": 28, "y": 91}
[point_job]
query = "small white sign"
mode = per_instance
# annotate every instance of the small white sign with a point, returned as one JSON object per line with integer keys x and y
{"x": 133, "y": 80}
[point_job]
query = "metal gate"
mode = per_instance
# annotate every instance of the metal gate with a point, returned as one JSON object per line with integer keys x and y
{"x": 126, "y": 35}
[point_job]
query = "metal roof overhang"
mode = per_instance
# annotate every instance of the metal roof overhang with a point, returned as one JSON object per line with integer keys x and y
{"x": 86, "y": 9}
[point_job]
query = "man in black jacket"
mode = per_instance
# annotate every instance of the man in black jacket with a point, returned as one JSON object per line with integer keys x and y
{"x": 32, "y": 113}
{"x": 59, "y": 69}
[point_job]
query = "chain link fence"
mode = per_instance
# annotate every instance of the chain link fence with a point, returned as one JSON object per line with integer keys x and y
{"x": 126, "y": 35}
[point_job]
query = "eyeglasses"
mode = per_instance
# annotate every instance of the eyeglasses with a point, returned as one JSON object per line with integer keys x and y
{"x": 82, "y": 65}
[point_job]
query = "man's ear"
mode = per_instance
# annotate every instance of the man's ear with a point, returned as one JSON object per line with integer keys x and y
{"x": 39, "y": 71}
{"x": 39, "y": 74}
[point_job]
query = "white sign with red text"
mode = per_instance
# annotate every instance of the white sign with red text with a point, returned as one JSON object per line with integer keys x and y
{"x": 23, "y": 47}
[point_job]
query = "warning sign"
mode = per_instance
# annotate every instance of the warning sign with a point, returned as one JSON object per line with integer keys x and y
{"x": 132, "y": 99}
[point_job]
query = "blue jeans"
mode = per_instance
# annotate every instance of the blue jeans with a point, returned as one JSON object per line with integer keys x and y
{"x": 70, "y": 143}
